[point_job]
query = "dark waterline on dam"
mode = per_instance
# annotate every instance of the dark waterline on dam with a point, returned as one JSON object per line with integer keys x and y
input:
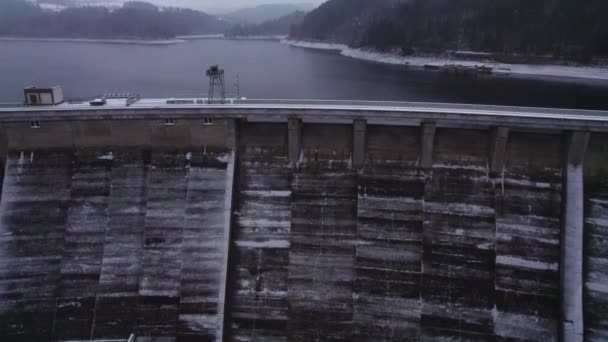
{"x": 267, "y": 70}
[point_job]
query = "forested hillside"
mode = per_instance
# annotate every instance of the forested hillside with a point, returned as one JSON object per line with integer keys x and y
{"x": 279, "y": 27}
{"x": 570, "y": 29}
{"x": 137, "y": 20}
{"x": 336, "y": 20}
{"x": 265, "y": 13}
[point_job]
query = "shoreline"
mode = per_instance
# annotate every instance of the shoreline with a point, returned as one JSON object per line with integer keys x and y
{"x": 172, "y": 41}
{"x": 94, "y": 40}
{"x": 556, "y": 72}
{"x": 224, "y": 37}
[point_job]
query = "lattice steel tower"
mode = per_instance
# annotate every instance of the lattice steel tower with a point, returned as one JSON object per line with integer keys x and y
{"x": 216, "y": 78}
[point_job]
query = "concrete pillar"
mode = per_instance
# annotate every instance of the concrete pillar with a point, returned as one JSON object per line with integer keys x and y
{"x": 359, "y": 142}
{"x": 498, "y": 149}
{"x": 572, "y": 239}
{"x": 232, "y": 140}
{"x": 427, "y": 144}
{"x": 294, "y": 126}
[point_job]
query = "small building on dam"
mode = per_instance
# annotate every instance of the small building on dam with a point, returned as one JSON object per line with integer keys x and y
{"x": 179, "y": 220}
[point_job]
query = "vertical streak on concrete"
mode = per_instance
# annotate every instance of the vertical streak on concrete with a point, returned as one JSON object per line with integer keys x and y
{"x": 498, "y": 150}
{"x": 3, "y": 155}
{"x": 294, "y": 127}
{"x": 572, "y": 240}
{"x": 427, "y": 144}
{"x": 221, "y": 307}
{"x": 359, "y": 142}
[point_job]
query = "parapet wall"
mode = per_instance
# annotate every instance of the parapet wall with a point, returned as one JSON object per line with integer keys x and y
{"x": 116, "y": 133}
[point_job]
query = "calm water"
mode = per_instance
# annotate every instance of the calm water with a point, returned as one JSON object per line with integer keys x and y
{"x": 266, "y": 70}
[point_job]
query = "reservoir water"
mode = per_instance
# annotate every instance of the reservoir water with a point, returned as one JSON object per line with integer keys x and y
{"x": 265, "y": 69}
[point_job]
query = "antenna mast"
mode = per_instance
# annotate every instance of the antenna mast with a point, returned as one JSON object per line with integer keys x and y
{"x": 216, "y": 78}
{"x": 238, "y": 87}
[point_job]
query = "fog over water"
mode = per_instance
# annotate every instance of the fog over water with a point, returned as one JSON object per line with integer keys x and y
{"x": 210, "y": 5}
{"x": 266, "y": 69}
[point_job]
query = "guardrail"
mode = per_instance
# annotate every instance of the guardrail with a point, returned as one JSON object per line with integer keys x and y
{"x": 136, "y": 101}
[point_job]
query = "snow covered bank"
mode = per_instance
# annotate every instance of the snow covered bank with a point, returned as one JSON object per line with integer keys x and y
{"x": 315, "y": 45}
{"x": 260, "y": 37}
{"x": 221, "y": 36}
{"x": 89, "y": 40}
{"x": 591, "y": 73}
{"x": 201, "y": 36}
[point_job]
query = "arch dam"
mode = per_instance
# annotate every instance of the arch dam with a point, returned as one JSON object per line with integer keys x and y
{"x": 313, "y": 221}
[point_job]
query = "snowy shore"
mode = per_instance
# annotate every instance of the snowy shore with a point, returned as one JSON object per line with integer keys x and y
{"x": 90, "y": 40}
{"x": 530, "y": 70}
{"x": 201, "y": 36}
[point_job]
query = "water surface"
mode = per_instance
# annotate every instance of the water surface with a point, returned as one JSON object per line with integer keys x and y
{"x": 266, "y": 69}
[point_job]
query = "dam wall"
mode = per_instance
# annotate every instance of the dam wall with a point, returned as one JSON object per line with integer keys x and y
{"x": 596, "y": 239}
{"x": 302, "y": 230}
{"x": 392, "y": 251}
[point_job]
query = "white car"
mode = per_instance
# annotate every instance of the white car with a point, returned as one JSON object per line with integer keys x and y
{"x": 98, "y": 102}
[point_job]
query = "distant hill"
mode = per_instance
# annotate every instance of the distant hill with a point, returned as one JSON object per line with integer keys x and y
{"x": 276, "y": 27}
{"x": 337, "y": 20}
{"x": 134, "y": 20}
{"x": 562, "y": 29}
{"x": 263, "y": 13}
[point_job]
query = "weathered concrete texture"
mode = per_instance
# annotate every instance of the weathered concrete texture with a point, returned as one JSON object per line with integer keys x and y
{"x": 442, "y": 254}
{"x": 3, "y": 153}
{"x": 392, "y": 148}
{"x": 498, "y": 148}
{"x": 121, "y": 264}
{"x": 459, "y": 240}
{"x": 35, "y": 201}
{"x": 327, "y": 145}
{"x": 94, "y": 243}
{"x": 323, "y": 237}
{"x": 84, "y": 245}
{"x": 528, "y": 214}
{"x": 595, "y": 251}
{"x": 102, "y": 245}
{"x": 322, "y": 256}
{"x": 596, "y": 271}
{"x": 458, "y": 261}
{"x": 295, "y": 140}
{"x": 260, "y": 237}
{"x": 427, "y": 144}
{"x": 159, "y": 282}
{"x": 359, "y": 142}
{"x": 203, "y": 251}
{"x": 388, "y": 262}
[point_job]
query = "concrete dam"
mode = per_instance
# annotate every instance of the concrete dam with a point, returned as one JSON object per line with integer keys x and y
{"x": 262, "y": 221}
